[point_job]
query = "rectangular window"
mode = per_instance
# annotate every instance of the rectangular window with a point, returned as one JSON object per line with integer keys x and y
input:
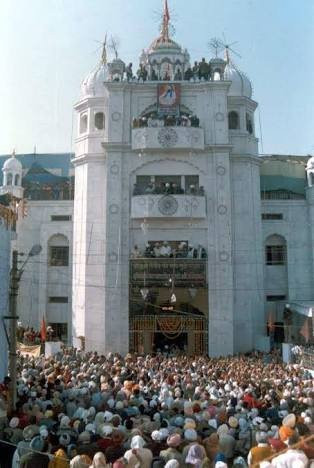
{"x": 60, "y": 331}
{"x": 58, "y": 299}
{"x": 61, "y": 218}
{"x": 275, "y": 298}
{"x": 191, "y": 182}
{"x": 272, "y": 216}
{"x": 59, "y": 256}
{"x": 275, "y": 255}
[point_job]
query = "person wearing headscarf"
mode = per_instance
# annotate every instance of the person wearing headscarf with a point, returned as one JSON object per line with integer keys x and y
{"x": 261, "y": 451}
{"x": 138, "y": 456}
{"x": 172, "y": 452}
{"x": 211, "y": 445}
{"x": 293, "y": 457}
{"x": 36, "y": 458}
{"x": 80, "y": 461}
{"x": 195, "y": 456}
{"x": 60, "y": 459}
{"x": 99, "y": 461}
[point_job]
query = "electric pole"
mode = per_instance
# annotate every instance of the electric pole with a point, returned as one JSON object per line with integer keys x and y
{"x": 14, "y": 286}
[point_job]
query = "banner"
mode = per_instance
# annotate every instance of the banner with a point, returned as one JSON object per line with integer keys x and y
{"x": 27, "y": 350}
{"x": 168, "y": 98}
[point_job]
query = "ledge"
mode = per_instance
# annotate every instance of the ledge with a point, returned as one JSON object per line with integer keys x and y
{"x": 165, "y": 138}
{"x": 168, "y": 206}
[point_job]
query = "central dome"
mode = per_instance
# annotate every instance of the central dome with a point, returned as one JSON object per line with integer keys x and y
{"x": 161, "y": 44}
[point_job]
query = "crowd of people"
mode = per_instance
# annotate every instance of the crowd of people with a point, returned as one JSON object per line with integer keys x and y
{"x": 164, "y": 250}
{"x": 85, "y": 410}
{"x": 155, "y": 120}
{"x": 167, "y": 188}
{"x": 200, "y": 71}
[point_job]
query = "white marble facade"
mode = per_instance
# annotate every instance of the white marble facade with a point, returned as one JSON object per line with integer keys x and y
{"x": 226, "y": 215}
{"x": 108, "y": 219}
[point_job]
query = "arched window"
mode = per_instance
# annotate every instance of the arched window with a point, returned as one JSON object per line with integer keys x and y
{"x": 9, "y": 178}
{"x": 83, "y": 123}
{"x": 58, "y": 251}
{"x": 249, "y": 124}
{"x": 16, "y": 179}
{"x": 99, "y": 121}
{"x": 233, "y": 120}
{"x": 217, "y": 74}
{"x": 275, "y": 250}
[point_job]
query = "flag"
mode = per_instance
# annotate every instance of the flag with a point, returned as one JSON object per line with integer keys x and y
{"x": 43, "y": 329}
{"x": 271, "y": 323}
{"x": 166, "y": 12}
{"x": 305, "y": 330}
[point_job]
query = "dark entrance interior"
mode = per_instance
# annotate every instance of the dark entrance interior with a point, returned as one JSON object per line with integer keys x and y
{"x": 170, "y": 343}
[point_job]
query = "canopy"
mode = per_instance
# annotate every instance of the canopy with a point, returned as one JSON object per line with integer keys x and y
{"x": 303, "y": 307}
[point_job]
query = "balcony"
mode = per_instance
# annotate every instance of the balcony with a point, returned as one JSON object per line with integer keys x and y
{"x": 165, "y": 138}
{"x": 168, "y": 206}
{"x": 157, "y": 272}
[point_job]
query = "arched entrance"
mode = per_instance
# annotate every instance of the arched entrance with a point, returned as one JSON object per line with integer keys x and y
{"x": 177, "y": 333}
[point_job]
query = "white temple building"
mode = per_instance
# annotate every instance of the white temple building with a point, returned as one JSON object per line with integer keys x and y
{"x": 180, "y": 234}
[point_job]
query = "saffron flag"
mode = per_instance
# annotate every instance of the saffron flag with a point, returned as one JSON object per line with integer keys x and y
{"x": 43, "y": 329}
{"x": 305, "y": 330}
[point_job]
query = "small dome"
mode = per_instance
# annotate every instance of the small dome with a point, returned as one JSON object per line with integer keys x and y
{"x": 93, "y": 84}
{"x": 12, "y": 165}
{"x": 160, "y": 44}
{"x": 241, "y": 85}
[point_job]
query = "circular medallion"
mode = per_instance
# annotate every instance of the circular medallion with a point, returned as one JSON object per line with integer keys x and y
{"x": 167, "y": 137}
{"x": 113, "y": 257}
{"x": 223, "y": 256}
{"x": 116, "y": 116}
{"x": 114, "y": 209}
{"x": 141, "y": 200}
{"x": 222, "y": 209}
{"x": 168, "y": 205}
{"x": 219, "y": 117}
{"x": 221, "y": 170}
{"x": 114, "y": 169}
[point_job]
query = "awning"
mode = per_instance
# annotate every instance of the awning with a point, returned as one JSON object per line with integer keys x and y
{"x": 303, "y": 307}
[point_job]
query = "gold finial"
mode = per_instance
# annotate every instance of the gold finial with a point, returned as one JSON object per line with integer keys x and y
{"x": 165, "y": 22}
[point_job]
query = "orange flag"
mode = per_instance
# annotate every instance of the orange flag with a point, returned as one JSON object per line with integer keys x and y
{"x": 43, "y": 329}
{"x": 305, "y": 330}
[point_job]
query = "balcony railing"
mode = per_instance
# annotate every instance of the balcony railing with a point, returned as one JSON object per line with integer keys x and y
{"x": 165, "y": 138}
{"x": 185, "y": 272}
{"x": 168, "y": 206}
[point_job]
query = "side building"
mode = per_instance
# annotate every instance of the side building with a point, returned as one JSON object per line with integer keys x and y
{"x": 46, "y": 284}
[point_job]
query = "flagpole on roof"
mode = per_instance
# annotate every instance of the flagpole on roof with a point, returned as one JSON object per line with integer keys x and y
{"x": 165, "y": 22}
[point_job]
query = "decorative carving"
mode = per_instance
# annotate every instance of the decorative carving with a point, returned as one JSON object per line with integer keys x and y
{"x": 219, "y": 116}
{"x": 114, "y": 169}
{"x": 222, "y": 209}
{"x": 223, "y": 256}
{"x": 168, "y": 205}
{"x": 114, "y": 208}
{"x": 221, "y": 170}
{"x": 167, "y": 137}
{"x": 116, "y": 116}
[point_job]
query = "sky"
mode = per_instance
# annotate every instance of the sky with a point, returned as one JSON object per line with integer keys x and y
{"x": 48, "y": 46}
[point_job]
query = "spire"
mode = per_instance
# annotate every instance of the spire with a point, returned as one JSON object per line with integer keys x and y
{"x": 104, "y": 51}
{"x": 227, "y": 56}
{"x": 13, "y": 153}
{"x": 165, "y": 22}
